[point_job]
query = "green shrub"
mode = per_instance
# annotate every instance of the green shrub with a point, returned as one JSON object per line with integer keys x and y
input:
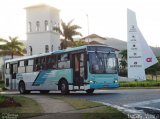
{"x": 140, "y": 84}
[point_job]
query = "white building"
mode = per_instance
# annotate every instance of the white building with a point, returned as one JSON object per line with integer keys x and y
{"x": 40, "y": 21}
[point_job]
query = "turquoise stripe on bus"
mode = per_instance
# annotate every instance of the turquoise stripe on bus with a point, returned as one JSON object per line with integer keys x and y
{"x": 41, "y": 77}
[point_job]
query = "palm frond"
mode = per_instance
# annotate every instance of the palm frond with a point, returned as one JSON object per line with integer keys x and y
{"x": 3, "y": 40}
{"x": 12, "y": 47}
{"x": 70, "y": 22}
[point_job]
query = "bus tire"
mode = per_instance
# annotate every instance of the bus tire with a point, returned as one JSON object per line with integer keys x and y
{"x": 27, "y": 91}
{"x": 64, "y": 87}
{"x": 90, "y": 91}
{"x": 22, "y": 88}
{"x": 44, "y": 91}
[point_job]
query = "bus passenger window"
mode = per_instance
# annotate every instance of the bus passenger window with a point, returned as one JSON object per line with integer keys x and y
{"x": 76, "y": 63}
{"x": 37, "y": 66}
{"x": 29, "y": 65}
{"x": 7, "y": 68}
{"x": 51, "y": 62}
{"x": 43, "y": 63}
{"x": 63, "y": 61}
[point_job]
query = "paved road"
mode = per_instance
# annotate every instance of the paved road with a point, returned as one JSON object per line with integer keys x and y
{"x": 121, "y": 97}
{"x": 147, "y": 101}
{"x": 140, "y": 99}
{"x": 116, "y": 97}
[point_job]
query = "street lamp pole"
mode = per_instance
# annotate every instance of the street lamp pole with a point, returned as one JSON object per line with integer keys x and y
{"x": 88, "y": 26}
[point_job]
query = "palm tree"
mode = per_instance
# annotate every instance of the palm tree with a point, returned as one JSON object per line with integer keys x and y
{"x": 123, "y": 63}
{"x": 11, "y": 47}
{"x": 123, "y": 53}
{"x": 67, "y": 31}
{"x": 80, "y": 43}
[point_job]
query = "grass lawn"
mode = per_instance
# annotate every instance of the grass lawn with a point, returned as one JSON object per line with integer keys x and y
{"x": 105, "y": 112}
{"x": 147, "y": 83}
{"x": 1, "y": 84}
{"x": 78, "y": 104}
{"x": 29, "y": 107}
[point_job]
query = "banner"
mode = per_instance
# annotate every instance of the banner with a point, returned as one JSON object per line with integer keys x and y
{"x": 140, "y": 55}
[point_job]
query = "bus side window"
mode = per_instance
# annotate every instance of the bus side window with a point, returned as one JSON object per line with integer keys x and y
{"x": 63, "y": 61}
{"x": 37, "y": 64}
{"x": 43, "y": 63}
{"x": 21, "y": 67}
{"x": 7, "y": 68}
{"x": 51, "y": 62}
{"x": 82, "y": 68}
{"x": 29, "y": 65}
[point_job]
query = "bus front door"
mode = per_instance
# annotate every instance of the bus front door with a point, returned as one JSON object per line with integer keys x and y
{"x": 14, "y": 69}
{"x": 78, "y": 69}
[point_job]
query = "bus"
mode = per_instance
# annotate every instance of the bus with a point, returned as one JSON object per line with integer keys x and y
{"x": 83, "y": 68}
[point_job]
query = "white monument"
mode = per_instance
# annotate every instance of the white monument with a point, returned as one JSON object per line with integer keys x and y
{"x": 40, "y": 21}
{"x": 140, "y": 55}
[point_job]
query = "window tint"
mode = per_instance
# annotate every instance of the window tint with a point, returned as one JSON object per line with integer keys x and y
{"x": 51, "y": 62}
{"x": 37, "y": 64}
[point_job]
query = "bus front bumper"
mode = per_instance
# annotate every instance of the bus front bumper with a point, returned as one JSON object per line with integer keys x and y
{"x": 99, "y": 86}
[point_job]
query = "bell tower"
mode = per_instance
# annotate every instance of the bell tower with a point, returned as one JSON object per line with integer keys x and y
{"x": 40, "y": 21}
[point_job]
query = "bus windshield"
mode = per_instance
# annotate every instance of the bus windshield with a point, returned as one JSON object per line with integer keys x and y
{"x": 102, "y": 63}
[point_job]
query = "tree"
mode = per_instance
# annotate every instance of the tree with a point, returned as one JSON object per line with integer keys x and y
{"x": 154, "y": 69}
{"x": 80, "y": 43}
{"x": 123, "y": 63}
{"x": 67, "y": 31}
{"x": 11, "y": 47}
{"x": 123, "y": 53}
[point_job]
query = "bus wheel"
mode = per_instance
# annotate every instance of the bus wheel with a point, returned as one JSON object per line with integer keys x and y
{"x": 64, "y": 87}
{"x": 90, "y": 91}
{"x": 44, "y": 91}
{"x": 22, "y": 89}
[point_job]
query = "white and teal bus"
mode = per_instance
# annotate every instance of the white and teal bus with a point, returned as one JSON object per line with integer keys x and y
{"x": 83, "y": 68}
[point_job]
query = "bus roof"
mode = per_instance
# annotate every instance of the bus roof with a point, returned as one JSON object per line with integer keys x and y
{"x": 54, "y": 52}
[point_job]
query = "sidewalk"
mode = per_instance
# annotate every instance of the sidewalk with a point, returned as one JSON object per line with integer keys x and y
{"x": 54, "y": 109}
{"x": 57, "y": 109}
{"x": 50, "y": 105}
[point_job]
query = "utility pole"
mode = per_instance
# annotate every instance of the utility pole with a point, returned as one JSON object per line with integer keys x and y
{"x": 87, "y": 26}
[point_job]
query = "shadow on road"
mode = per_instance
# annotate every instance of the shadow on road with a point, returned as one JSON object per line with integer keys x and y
{"x": 74, "y": 94}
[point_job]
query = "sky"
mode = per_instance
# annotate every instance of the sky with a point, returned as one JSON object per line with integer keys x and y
{"x": 107, "y": 18}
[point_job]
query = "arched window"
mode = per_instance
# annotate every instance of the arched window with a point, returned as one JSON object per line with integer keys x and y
{"x": 54, "y": 26}
{"x": 46, "y": 48}
{"x": 46, "y": 25}
{"x": 30, "y": 50}
{"x": 52, "y": 48}
{"x": 29, "y": 27}
{"x": 37, "y": 26}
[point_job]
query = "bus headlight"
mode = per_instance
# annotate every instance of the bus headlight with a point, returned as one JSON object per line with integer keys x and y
{"x": 115, "y": 81}
{"x": 91, "y": 82}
